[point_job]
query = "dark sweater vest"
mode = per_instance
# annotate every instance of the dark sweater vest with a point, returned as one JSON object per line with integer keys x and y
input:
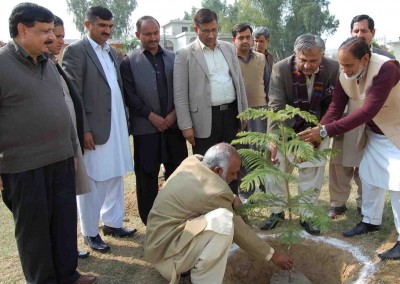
{"x": 35, "y": 127}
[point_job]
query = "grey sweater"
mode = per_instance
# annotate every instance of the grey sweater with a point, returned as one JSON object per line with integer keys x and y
{"x": 35, "y": 126}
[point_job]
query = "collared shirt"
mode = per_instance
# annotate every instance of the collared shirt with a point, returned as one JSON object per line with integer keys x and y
{"x": 104, "y": 56}
{"x": 113, "y": 154}
{"x": 41, "y": 59}
{"x": 157, "y": 62}
{"x": 221, "y": 83}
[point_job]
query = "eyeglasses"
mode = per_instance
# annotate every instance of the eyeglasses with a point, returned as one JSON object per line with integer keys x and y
{"x": 208, "y": 32}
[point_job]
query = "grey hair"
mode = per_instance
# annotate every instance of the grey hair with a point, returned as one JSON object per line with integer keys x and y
{"x": 261, "y": 31}
{"x": 308, "y": 41}
{"x": 219, "y": 155}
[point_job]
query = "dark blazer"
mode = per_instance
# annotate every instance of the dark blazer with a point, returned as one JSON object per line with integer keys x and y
{"x": 77, "y": 105}
{"x": 140, "y": 92}
{"x": 82, "y": 66}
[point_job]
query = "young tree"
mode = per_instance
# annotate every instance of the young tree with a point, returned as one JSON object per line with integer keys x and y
{"x": 256, "y": 159}
{"x": 121, "y": 9}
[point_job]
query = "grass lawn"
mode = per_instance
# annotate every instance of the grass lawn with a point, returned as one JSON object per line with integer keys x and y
{"x": 125, "y": 262}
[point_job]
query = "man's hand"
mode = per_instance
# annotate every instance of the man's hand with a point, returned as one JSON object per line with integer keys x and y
{"x": 189, "y": 135}
{"x": 88, "y": 141}
{"x": 310, "y": 135}
{"x": 170, "y": 119}
{"x": 158, "y": 122}
{"x": 282, "y": 260}
{"x": 244, "y": 123}
{"x": 274, "y": 151}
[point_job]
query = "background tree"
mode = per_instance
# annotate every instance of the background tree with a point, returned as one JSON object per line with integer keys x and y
{"x": 121, "y": 9}
{"x": 227, "y": 13}
{"x": 286, "y": 19}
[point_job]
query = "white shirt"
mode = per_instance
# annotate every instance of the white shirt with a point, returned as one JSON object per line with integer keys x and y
{"x": 221, "y": 83}
{"x": 113, "y": 159}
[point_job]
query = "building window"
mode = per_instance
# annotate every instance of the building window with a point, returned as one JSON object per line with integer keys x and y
{"x": 184, "y": 29}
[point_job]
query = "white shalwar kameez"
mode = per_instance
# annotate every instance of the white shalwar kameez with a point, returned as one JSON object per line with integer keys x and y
{"x": 380, "y": 171}
{"x": 108, "y": 163}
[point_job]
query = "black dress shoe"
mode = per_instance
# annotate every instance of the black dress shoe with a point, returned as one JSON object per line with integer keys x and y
{"x": 359, "y": 212}
{"x": 311, "y": 230}
{"x": 273, "y": 220}
{"x": 361, "y": 228}
{"x": 117, "y": 232}
{"x": 96, "y": 243}
{"x": 83, "y": 254}
{"x": 393, "y": 253}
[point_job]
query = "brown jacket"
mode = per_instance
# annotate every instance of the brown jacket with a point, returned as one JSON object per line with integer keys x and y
{"x": 178, "y": 213}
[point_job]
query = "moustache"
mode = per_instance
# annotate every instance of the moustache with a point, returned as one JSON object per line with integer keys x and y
{"x": 48, "y": 42}
{"x": 106, "y": 34}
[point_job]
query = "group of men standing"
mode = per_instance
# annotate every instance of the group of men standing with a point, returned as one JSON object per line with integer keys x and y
{"x": 50, "y": 115}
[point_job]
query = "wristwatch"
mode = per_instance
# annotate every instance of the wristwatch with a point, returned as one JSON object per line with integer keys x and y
{"x": 322, "y": 132}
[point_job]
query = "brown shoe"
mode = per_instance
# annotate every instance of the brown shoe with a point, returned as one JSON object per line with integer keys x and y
{"x": 86, "y": 279}
{"x": 334, "y": 212}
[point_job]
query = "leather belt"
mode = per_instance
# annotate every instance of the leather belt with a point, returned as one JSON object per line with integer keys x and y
{"x": 224, "y": 106}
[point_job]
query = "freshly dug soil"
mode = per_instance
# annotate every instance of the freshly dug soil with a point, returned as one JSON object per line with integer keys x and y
{"x": 319, "y": 262}
{"x": 284, "y": 277}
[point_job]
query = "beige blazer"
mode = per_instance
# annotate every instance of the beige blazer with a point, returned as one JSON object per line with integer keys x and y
{"x": 178, "y": 213}
{"x": 192, "y": 89}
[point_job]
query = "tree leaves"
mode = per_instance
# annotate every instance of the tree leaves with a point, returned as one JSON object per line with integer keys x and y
{"x": 256, "y": 159}
{"x": 121, "y": 9}
{"x": 286, "y": 19}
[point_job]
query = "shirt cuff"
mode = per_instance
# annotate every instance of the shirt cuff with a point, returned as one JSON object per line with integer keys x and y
{"x": 269, "y": 256}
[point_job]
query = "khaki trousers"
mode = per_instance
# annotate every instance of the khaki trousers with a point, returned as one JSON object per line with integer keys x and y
{"x": 309, "y": 178}
{"x": 205, "y": 257}
{"x": 340, "y": 184}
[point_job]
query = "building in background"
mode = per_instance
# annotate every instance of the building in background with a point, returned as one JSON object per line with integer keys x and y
{"x": 396, "y": 48}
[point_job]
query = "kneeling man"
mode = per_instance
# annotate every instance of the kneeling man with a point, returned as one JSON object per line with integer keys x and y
{"x": 192, "y": 223}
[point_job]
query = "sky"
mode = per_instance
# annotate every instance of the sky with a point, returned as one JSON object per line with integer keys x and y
{"x": 387, "y": 19}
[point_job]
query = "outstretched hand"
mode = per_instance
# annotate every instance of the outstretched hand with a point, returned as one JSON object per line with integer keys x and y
{"x": 282, "y": 260}
{"x": 310, "y": 135}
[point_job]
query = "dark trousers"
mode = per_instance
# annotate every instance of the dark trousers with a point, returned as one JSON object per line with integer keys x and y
{"x": 150, "y": 151}
{"x": 43, "y": 204}
{"x": 224, "y": 127}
